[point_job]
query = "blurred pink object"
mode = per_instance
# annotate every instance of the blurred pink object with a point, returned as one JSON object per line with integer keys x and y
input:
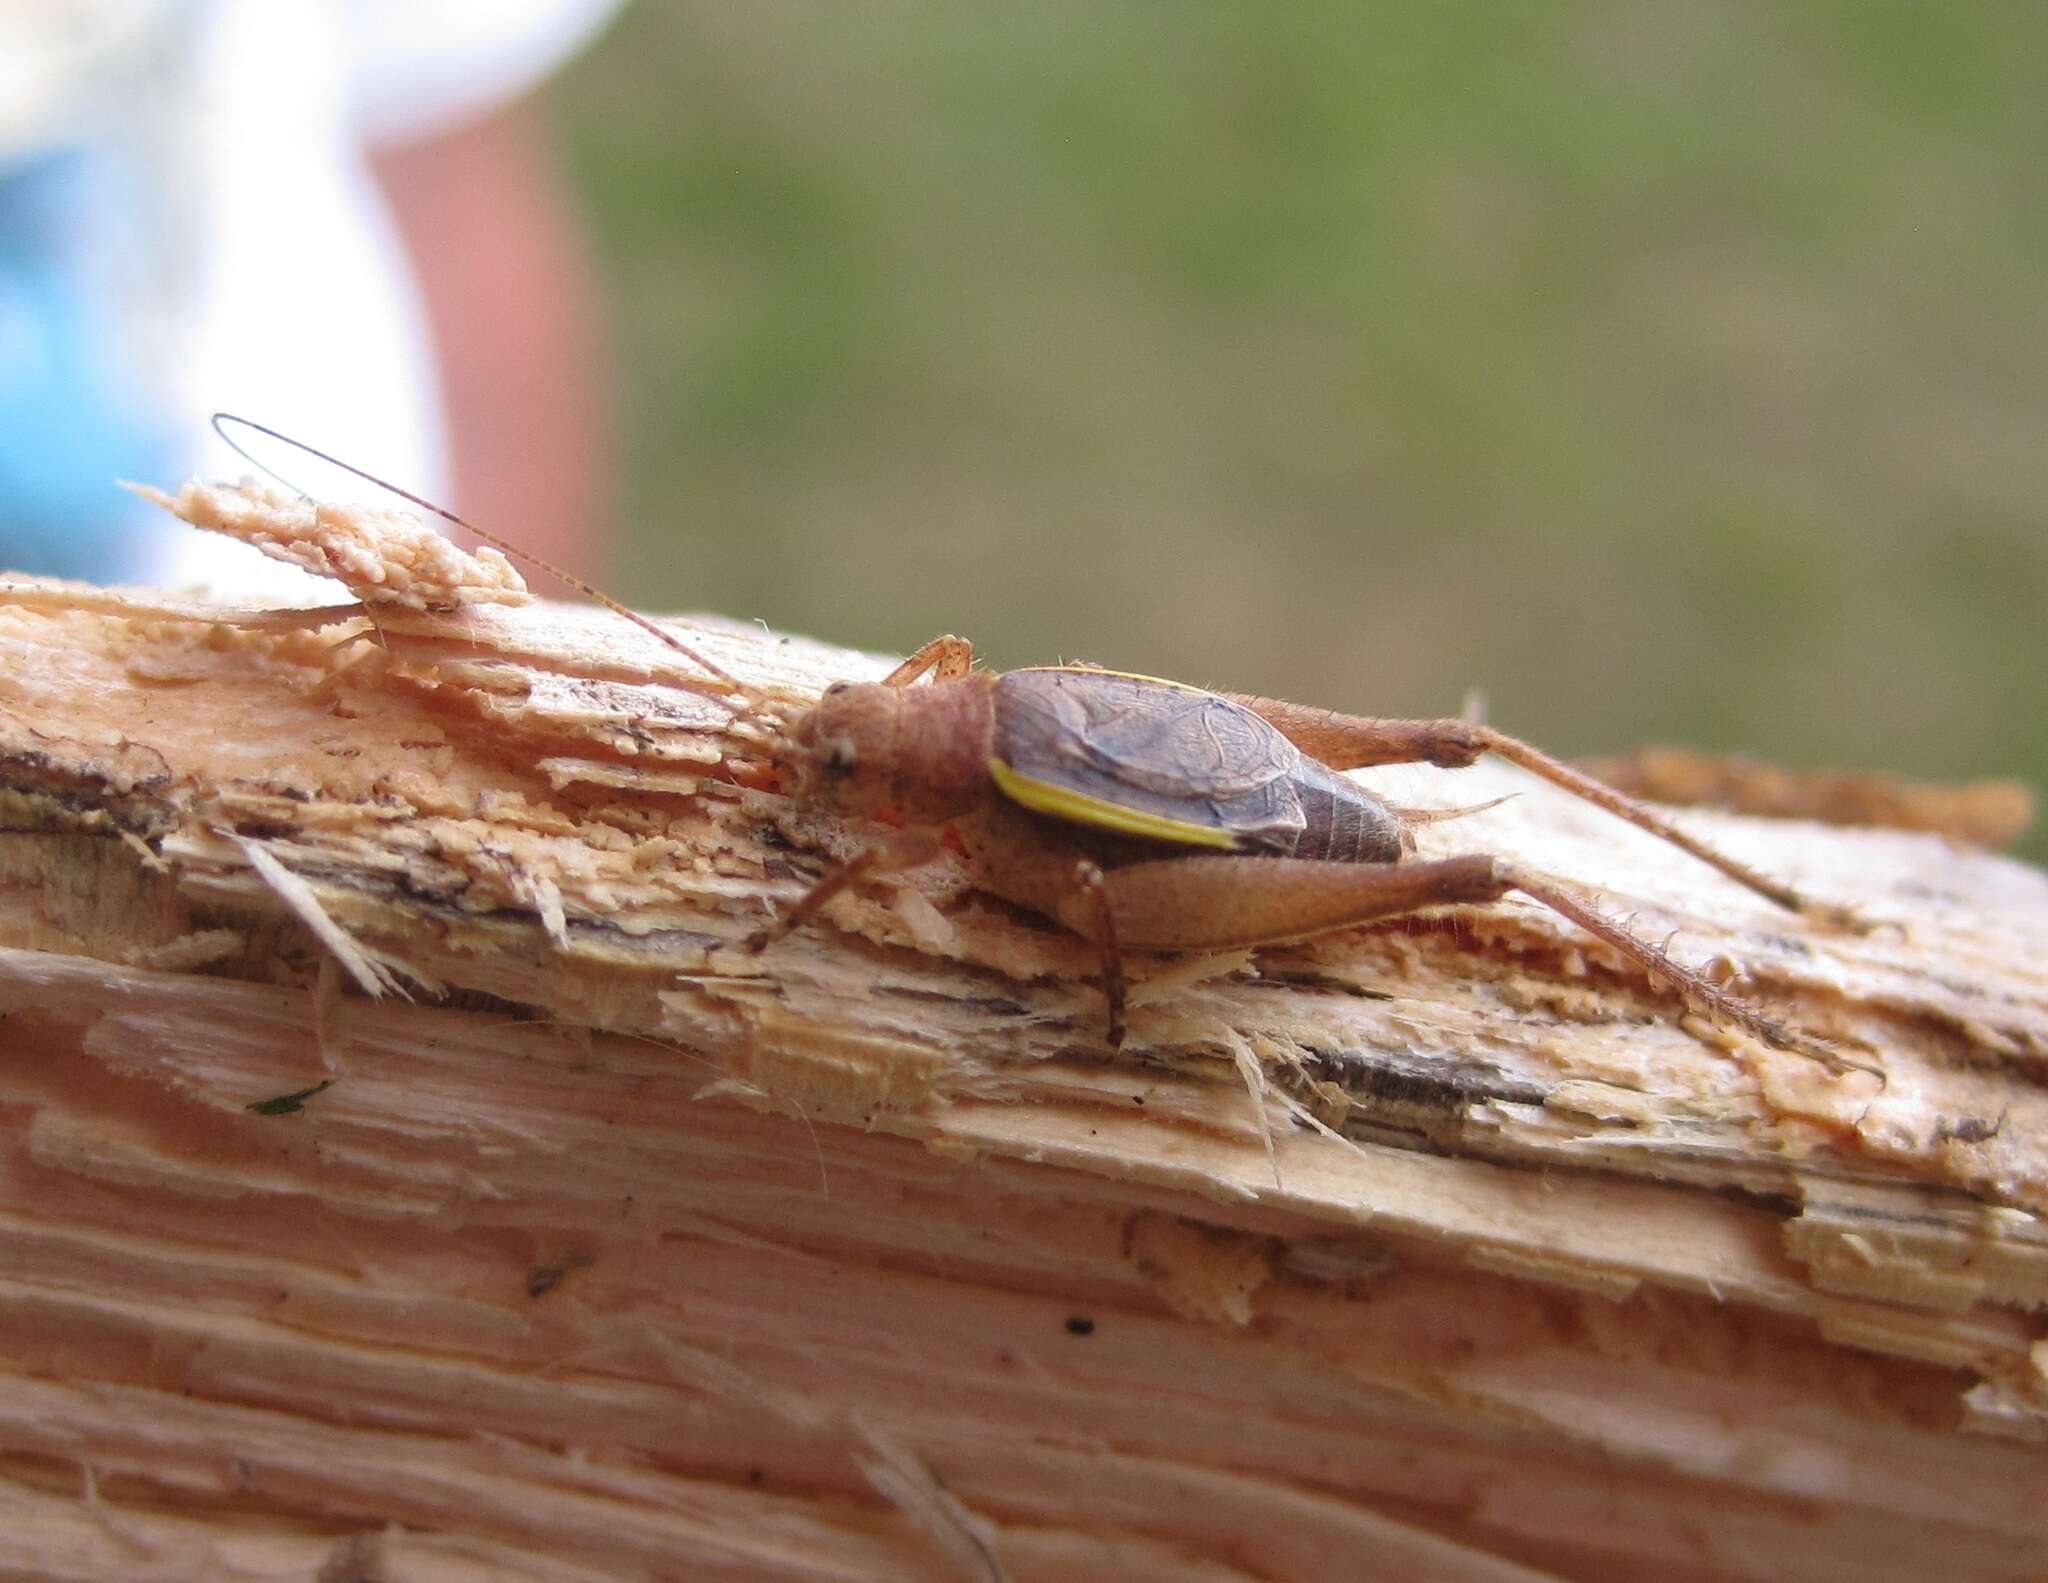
{"x": 353, "y": 231}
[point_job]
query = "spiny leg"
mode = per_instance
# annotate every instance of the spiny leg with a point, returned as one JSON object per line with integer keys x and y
{"x": 1604, "y": 796}
{"x": 905, "y": 849}
{"x": 1214, "y": 903}
{"x": 947, "y": 658}
{"x": 1353, "y": 741}
{"x": 1697, "y": 991}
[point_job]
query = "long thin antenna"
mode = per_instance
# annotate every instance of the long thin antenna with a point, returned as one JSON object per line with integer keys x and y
{"x": 569, "y": 579}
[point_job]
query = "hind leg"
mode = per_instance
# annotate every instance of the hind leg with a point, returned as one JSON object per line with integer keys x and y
{"x": 1355, "y": 741}
{"x": 1197, "y": 903}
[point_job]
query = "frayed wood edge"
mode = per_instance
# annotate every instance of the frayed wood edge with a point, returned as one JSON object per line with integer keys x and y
{"x": 901, "y": 1476}
{"x": 544, "y": 896}
{"x": 148, "y": 605}
{"x": 1296, "y": 1108}
{"x": 1255, "y": 1085}
{"x": 375, "y": 979}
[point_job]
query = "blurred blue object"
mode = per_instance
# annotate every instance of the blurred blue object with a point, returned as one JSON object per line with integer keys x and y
{"x": 70, "y": 420}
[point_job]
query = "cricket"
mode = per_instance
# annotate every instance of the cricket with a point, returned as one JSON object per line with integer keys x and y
{"x": 1144, "y": 814}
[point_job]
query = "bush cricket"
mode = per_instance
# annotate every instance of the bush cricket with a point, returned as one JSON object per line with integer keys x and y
{"x": 1143, "y": 813}
{"x": 1139, "y": 813}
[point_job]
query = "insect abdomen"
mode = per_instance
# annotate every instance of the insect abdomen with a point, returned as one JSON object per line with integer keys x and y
{"x": 1342, "y": 823}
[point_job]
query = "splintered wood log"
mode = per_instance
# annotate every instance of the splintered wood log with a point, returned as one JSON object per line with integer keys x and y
{"x": 408, "y": 1176}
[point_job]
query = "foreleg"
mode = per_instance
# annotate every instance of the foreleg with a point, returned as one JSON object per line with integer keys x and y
{"x": 947, "y": 658}
{"x": 905, "y": 849}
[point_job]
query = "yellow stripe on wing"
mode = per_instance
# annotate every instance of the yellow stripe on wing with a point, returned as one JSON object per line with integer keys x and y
{"x": 1100, "y": 670}
{"x": 1063, "y": 802}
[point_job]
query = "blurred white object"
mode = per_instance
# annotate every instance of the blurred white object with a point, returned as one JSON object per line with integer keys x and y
{"x": 254, "y": 266}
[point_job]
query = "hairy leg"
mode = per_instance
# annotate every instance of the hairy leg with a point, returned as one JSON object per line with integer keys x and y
{"x": 946, "y": 657}
{"x": 1212, "y": 903}
{"x": 906, "y": 849}
{"x": 1093, "y": 887}
{"x": 1353, "y": 741}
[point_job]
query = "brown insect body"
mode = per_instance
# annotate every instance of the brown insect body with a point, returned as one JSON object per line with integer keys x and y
{"x": 1140, "y": 812}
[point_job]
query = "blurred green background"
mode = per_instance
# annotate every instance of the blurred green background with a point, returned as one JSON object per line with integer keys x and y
{"x": 1673, "y": 373}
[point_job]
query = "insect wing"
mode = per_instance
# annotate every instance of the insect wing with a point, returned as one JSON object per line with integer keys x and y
{"x": 1146, "y": 757}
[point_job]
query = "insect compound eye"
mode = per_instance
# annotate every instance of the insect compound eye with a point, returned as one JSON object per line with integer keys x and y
{"x": 838, "y": 759}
